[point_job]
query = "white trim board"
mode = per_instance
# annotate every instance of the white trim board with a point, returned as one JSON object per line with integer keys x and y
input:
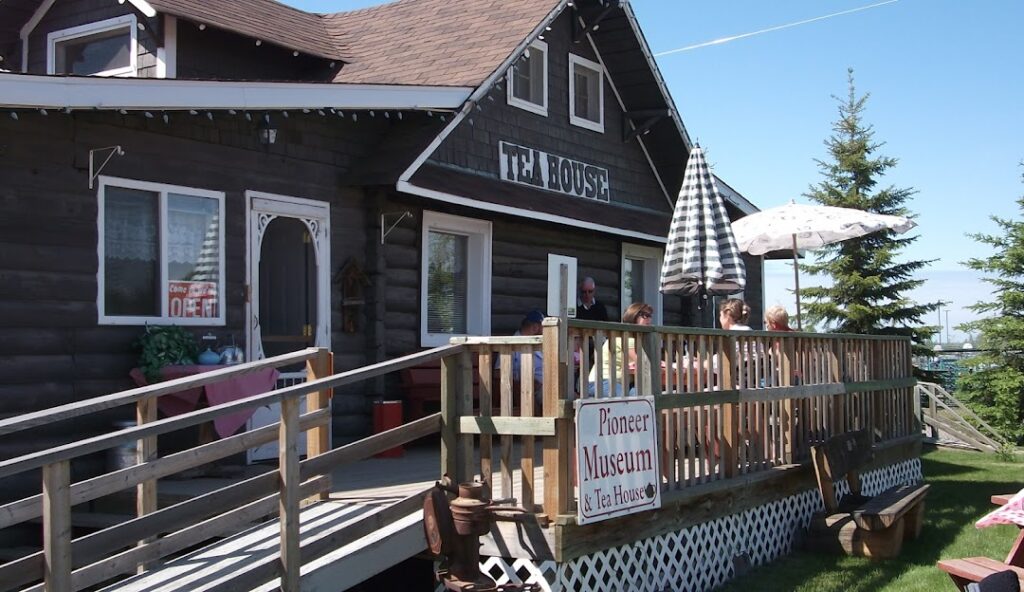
{"x": 127, "y": 22}
{"x": 407, "y": 187}
{"x": 55, "y": 92}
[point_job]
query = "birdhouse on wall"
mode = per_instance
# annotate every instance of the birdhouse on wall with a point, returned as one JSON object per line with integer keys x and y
{"x": 354, "y": 282}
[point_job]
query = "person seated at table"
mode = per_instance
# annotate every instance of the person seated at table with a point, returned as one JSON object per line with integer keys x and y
{"x": 776, "y": 319}
{"x": 638, "y": 313}
{"x": 532, "y": 324}
{"x": 733, "y": 314}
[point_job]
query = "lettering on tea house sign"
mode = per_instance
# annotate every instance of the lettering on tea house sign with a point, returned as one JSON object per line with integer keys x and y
{"x": 617, "y": 457}
{"x": 536, "y": 168}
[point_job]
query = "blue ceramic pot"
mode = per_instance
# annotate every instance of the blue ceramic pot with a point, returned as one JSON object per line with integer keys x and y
{"x": 209, "y": 357}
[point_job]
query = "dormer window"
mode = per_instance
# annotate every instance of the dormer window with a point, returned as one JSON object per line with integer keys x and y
{"x": 103, "y": 48}
{"x": 528, "y": 80}
{"x": 586, "y": 93}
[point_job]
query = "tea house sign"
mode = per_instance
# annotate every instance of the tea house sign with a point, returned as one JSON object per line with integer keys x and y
{"x": 536, "y": 168}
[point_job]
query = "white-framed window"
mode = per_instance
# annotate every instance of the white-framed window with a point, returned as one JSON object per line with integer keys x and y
{"x": 104, "y": 48}
{"x": 586, "y": 93}
{"x": 161, "y": 254}
{"x": 641, "y": 276}
{"x": 455, "y": 278}
{"x": 528, "y": 80}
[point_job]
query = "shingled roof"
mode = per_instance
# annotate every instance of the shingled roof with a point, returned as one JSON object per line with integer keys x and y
{"x": 433, "y": 42}
{"x": 265, "y": 20}
{"x": 422, "y": 42}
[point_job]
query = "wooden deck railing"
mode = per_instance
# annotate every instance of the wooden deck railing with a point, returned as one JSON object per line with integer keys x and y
{"x": 730, "y": 403}
{"x": 67, "y": 564}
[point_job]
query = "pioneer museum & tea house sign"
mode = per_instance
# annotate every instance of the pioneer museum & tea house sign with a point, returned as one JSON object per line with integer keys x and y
{"x": 617, "y": 458}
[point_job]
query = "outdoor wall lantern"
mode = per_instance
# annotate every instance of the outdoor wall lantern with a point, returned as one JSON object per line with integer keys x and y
{"x": 267, "y": 132}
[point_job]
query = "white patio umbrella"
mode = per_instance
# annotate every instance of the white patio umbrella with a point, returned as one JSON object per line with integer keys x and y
{"x": 806, "y": 227}
{"x": 701, "y": 256}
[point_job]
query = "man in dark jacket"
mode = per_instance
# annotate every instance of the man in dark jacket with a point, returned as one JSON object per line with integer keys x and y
{"x": 589, "y": 308}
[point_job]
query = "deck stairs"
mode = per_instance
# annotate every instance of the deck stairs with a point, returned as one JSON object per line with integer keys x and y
{"x": 948, "y": 421}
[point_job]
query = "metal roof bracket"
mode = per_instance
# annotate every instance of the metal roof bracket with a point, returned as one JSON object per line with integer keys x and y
{"x": 580, "y": 31}
{"x": 649, "y": 117}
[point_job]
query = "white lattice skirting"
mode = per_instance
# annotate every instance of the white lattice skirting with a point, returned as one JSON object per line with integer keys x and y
{"x": 696, "y": 558}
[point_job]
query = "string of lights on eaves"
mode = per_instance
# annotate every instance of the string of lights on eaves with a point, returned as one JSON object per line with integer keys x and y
{"x": 248, "y": 115}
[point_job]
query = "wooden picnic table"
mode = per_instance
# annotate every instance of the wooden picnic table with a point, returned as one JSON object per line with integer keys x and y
{"x": 1016, "y": 555}
{"x": 973, "y": 569}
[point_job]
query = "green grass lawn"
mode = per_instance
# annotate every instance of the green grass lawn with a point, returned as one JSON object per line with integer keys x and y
{"x": 962, "y": 483}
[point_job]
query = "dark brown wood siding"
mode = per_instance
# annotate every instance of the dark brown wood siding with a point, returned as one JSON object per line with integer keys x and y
{"x": 217, "y": 54}
{"x": 473, "y": 145}
{"x": 52, "y": 350}
{"x": 64, "y": 15}
{"x": 520, "y": 251}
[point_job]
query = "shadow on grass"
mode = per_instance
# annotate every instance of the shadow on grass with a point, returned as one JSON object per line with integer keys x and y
{"x": 960, "y": 494}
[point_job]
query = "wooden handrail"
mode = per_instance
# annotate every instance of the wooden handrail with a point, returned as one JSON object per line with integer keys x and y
{"x": 89, "y": 445}
{"x": 80, "y": 408}
{"x": 95, "y": 546}
{"x": 669, "y": 330}
{"x": 83, "y": 491}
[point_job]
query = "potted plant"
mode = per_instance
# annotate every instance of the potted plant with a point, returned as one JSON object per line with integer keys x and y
{"x": 165, "y": 346}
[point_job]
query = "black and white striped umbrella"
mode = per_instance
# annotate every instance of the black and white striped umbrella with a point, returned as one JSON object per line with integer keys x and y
{"x": 701, "y": 257}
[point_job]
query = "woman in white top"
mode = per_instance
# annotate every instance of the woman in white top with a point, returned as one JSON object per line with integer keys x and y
{"x": 638, "y": 313}
{"x": 733, "y": 314}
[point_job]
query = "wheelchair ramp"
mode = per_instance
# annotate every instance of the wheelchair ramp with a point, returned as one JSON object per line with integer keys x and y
{"x": 343, "y": 543}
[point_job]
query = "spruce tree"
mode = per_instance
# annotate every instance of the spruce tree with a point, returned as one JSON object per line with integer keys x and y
{"x": 994, "y": 382}
{"x": 869, "y": 287}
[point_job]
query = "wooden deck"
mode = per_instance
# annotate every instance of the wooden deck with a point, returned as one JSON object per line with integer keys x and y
{"x": 732, "y": 420}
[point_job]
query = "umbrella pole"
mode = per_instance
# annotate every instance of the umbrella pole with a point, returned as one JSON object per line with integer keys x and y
{"x": 796, "y": 277}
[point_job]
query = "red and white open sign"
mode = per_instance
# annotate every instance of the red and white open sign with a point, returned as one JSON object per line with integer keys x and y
{"x": 192, "y": 299}
{"x": 617, "y": 457}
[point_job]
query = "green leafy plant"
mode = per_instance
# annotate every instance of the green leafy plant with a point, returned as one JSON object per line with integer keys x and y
{"x": 165, "y": 346}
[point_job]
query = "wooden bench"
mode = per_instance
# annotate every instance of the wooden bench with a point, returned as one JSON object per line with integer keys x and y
{"x": 421, "y": 386}
{"x": 859, "y": 525}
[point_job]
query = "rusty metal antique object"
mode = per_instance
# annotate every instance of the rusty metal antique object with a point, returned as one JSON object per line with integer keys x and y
{"x": 453, "y": 529}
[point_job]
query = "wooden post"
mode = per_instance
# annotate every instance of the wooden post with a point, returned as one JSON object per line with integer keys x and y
{"x": 57, "y": 526}
{"x": 449, "y": 447}
{"x": 875, "y": 411}
{"x": 648, "y": 366}
{"x": 486, "y": 403}
{"x": 464, "y": 407}
{"x": 731, "y": 437}
{"x": 786, "y": 368}
{"x": 288, "y": 503}
{"x": 146, "y": 451}
{"x": 318, "y": 439}
{"x": 836, "y": 374}
{"x": 557, "y": 488}
{"x": 527, "y": 410}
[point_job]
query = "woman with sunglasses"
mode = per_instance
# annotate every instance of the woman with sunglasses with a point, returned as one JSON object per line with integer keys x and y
{"x": 638, "y": 313}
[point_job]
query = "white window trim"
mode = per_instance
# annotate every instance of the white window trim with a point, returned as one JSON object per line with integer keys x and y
{"x": 527, "y": 105}
{"x": 657, "y": 258}
{"x": 120, "y": 22}
{"x": 478, "y": 318}
{"x": 597, "y": 126}
{"x": 162, "y": 189}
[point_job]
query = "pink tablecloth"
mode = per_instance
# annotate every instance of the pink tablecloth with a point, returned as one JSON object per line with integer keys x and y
{"x": 1011, "y": 513}
{"x": 217, "y": 393}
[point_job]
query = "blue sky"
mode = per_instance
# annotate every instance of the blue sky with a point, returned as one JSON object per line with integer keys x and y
{"x": 946, "y": 98}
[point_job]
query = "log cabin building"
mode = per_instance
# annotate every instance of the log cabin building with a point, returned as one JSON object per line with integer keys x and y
{"x": 373, "y": 181}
